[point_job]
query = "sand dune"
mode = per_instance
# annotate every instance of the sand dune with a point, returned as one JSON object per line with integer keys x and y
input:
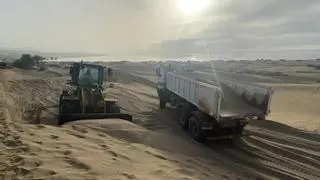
{"x": 155, "y": 147}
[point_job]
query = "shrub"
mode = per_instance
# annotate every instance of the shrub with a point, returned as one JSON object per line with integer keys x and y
{"x": 26, "y": 61}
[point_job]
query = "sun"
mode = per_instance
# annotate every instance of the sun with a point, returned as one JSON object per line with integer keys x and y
{"x": 192, "y": 6}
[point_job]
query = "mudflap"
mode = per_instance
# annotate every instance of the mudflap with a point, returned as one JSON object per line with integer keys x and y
{"x": 78, "y": 116}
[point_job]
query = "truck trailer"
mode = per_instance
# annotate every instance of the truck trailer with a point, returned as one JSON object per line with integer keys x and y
{"x": 211, "y": 106}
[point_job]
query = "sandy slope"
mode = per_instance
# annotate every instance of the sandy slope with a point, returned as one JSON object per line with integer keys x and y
{"x": 153, "y": 148}
{"x": 111, "y": 150}
{"x": 269, "y": 149}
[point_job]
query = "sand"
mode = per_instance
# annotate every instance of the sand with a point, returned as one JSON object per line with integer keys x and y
{"x": 154, "y": 146}
{"x": 111, "y": 149}
{"x": 297, "y": 105}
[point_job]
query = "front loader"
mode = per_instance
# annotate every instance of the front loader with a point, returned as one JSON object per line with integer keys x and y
{"x": 85, "y": 99}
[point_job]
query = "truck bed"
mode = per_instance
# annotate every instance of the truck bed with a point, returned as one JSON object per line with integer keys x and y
{"x": 234, "y": 105}
{"x": 236, "y": 99}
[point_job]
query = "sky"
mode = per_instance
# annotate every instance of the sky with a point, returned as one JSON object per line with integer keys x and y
{"x": 215, "y": 29}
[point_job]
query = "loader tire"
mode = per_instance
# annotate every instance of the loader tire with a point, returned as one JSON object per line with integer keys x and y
{"x": 115, "y": 109}
{"x": 194, "y": 127}
{"x": 64, "y": 109}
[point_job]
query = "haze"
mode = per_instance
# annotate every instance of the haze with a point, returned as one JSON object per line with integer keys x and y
{"x": 246, "y": 29}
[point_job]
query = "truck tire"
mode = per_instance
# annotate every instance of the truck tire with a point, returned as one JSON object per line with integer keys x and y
{"x": 183, "y": 121}
{"x": 162, "y": 103}
{"x": 194, "y": 126}
{"x": 185, "y": 115}
{"x": 262, "y": 117}
{"x": 239, "y": 130}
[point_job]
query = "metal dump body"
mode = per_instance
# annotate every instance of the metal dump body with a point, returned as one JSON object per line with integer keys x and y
{"x": 205, "y": 96}
{"x": 253, "y": 94}
{"x": 240, "y": 97}
{"x": 220, "y": 99}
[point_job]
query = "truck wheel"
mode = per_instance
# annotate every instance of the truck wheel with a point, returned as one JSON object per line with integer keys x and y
{"x": 183, "y": 121}
{"x": 194, "y": 127}
{"x": 162, "y": 103}
{"x": 185, "y": 115}
{"x": 240, "y": 130}
{"x": 262, "y": 117}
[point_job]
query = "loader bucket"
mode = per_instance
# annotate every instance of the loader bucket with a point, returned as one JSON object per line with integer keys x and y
{"x": 78, "y": 116}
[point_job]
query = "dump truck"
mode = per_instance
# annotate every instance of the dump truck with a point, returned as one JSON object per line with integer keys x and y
{"x": 211, "y": 107}
{"x": 85, "y": 98}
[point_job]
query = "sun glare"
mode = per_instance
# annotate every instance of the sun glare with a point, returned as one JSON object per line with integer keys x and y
{"x": 192, "y": 6}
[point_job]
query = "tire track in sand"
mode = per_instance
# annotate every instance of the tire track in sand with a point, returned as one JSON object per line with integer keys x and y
{"x": 264, "y": 154}
{"x": 267, "y": 156}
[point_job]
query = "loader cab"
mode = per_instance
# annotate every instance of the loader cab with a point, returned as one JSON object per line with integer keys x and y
{"x": 87, "y": 75}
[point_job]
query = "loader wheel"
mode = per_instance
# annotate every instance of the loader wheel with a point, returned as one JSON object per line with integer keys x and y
{"x": 194, "y": 127}
{"x": 115, "y": 109}
{"x": 65, "y": 108}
